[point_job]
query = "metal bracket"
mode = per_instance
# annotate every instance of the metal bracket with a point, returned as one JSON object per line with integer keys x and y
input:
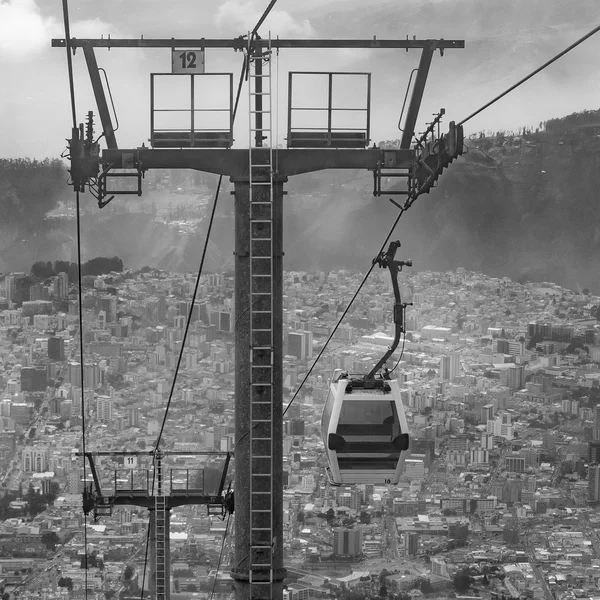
{"x": 103, "y": 203}
{"x": 386, "y": 260}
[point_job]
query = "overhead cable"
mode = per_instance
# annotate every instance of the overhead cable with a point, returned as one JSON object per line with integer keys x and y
{"x": 243, "y": 72}
{"x": 571, "y": 47}
{"x": 206, "y": 241}
{"x": 220, "y": 557}
{"x": 145, "y": 561}
{"x": 263, "y": 17}
{"x": 65, "y": 5}
{"x": 362, "y": 283}
{"x": 520, "y": 82}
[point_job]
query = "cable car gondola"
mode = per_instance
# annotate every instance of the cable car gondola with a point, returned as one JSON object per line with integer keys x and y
{"x": 364, "y": 425}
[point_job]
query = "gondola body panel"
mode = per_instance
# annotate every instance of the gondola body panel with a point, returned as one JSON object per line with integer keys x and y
{"x": 365, "y": 433}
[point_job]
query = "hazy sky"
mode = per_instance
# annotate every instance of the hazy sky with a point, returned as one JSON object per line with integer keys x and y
{"x": 503, "y": 44}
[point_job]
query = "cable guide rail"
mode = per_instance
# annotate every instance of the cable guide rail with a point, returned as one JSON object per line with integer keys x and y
{"x": 241, "y": 43}
{"x": 90, "y": 169}
{"x": 140, "y": 486}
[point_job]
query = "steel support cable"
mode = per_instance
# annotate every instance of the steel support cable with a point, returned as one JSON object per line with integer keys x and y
{"x": 145, "y": 560}
{"x": 220, "y": 556}
{"x": 362, "y": 283}
{"x": 532, "y": 74}
{"x": 187, "y": 327}
{"x": 206, "y": 241}
{"x": 245, "y": 69}
{"x": 189, "y": 319}
{"x": 65, "y": 6}
{"x": 401, "y": 353}
{"x": 235, "y": 108}
{"x": 190, "y": 312}
{"x": 546, "y": 64}
{"x": 263, "y": 17}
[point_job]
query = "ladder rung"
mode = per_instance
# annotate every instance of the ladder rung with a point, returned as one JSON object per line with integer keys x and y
{"x": 261, "y": 439}
{"x": 260, "y": 93}
{"x": 263, "y": 129}
{"x": 260, "y": 112}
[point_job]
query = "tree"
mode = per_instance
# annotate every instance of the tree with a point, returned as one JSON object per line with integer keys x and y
{"x": 128, "y": 573}
{"x": 110, "y": 594}
{"x": 462, "y": 580}
{"x": 537, "y": 338}
{"x": 300, "y": 517}
{"x": 66, "y": 582}
{"x": 35, "y": 502}
{"x": 50, "y": 539}
{"x": 385, "y": 573}
{"x": 40, "y": 269}
{"x": 383, "y": 592}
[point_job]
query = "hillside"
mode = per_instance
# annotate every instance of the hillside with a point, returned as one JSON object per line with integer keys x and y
{"x": 523, "y": 206}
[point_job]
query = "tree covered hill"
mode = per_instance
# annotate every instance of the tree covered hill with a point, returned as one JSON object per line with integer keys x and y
{"x": 522, "y": 204}
{"x": 29, "y": 189}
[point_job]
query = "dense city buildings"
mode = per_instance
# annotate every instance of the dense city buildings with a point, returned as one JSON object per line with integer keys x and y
{"x": 500, "y": 381}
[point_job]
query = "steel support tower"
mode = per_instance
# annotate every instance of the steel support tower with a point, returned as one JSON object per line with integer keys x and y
{"x": 258, "y": 174}
{"x": 151, "y": 494}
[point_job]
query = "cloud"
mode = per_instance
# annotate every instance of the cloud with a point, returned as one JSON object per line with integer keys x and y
{"x": 25, "y": 32}
{"x": 244, "y": 14}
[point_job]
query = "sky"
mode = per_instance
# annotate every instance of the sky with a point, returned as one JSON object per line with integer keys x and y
{"x": 504, "y": 41}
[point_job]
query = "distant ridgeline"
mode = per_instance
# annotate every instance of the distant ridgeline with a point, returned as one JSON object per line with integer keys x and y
{"x": 522, "y": 204}
{"x": 95, "y": 266}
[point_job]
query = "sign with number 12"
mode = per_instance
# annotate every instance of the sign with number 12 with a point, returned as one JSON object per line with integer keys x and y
{"x": 187, "y": 61}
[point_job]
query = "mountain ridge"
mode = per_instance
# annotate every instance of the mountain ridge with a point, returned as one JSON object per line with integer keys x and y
{"x": 518, "y": 205}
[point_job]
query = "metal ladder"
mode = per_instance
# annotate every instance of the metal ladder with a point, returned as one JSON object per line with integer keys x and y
{"x": 260, "y": 191}
{"x": 162, "y": 577}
